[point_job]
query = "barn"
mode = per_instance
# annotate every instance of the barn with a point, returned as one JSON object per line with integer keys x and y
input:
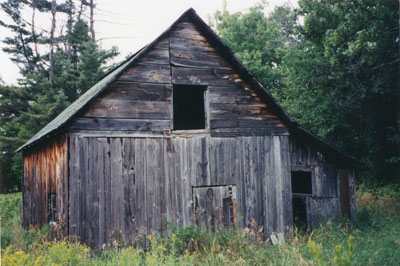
{"x": 180, "y": 132}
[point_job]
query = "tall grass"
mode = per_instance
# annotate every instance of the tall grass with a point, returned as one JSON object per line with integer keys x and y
{"x": 373, "y": 238}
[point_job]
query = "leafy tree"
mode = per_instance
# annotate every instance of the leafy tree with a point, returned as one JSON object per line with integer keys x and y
{"x": 343, "y": 78}
{"x": 336, "y": 73}
{"x": 257, "y": 41}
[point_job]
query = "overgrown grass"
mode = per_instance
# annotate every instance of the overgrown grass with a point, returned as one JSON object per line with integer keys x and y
{"x": 373, "y": 238}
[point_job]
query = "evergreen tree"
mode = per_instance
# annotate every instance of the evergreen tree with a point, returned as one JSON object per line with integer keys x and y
{"x": 77, "y": 64}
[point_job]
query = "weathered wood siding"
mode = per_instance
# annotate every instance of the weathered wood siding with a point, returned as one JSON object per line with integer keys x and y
{"x": 325, "y": 200}
{"x": 141, "y": 98}
{"x": 126, "y": 186}
{"x": 45, "y": 172}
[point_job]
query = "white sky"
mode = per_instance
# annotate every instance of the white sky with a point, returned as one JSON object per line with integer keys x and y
{"x": 138, "y": 22}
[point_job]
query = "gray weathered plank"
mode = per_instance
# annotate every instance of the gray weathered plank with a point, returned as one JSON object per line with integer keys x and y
{"x": 286, "y": 183}
{"x": 140, "y": 209}
{"x": 116, "y": 186}
{"x": 117, "y": 124}
{"x": 187, "y": 42}
{"x": 155, "y": 56}
{"x": 153, "y": 73}
{"x": 235, "y": 132}
{"x": 244, "y": 123}
{"x": 188, "y": 58}
{"x": 129, "y": 109}
{"x": 206, "y": 77}
{"x": 135, "y": 91}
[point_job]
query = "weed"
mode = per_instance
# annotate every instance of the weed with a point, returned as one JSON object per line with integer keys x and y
{"x": 370, "y": 239}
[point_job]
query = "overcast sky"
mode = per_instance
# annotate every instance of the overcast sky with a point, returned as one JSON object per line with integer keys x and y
{"x": 130, "y": 25}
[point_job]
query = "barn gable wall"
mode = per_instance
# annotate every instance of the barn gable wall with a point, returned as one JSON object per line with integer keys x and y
{"x": 45, "y": 172}
{"x": 141, "y": 98}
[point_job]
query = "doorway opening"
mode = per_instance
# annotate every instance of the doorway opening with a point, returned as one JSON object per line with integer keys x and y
{"x": 301, "y": 193}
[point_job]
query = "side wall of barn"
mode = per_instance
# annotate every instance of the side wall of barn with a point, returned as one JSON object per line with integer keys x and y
{"x": 46, "y": 179}
{"x": 333, "y": 187}
{"x": 133, "y": 185}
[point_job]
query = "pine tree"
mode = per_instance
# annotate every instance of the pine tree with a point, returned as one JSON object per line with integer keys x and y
{"x": 50, "y": 82}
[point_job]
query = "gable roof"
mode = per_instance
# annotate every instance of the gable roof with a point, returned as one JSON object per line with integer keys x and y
{"x": 191, "y": 16}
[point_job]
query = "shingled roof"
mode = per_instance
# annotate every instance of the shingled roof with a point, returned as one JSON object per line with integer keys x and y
{"x": 191, "y": 16}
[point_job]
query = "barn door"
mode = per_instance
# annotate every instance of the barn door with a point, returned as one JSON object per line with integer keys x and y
{"x": 215, "y": 206}
{"x": 344, "y": 193}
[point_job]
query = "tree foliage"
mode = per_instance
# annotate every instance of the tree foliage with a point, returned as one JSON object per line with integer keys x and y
{"x": 336, "y": 72}
{"x": 25, "y": 108}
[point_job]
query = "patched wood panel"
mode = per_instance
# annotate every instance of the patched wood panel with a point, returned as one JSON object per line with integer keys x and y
{"x": 215, "y": 206}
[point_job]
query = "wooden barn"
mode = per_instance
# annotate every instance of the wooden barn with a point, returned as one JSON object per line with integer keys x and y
{"x": 180, "y": 132}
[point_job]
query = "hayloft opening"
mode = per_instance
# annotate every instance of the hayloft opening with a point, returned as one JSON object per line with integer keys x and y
{"x": 188, "y": 107}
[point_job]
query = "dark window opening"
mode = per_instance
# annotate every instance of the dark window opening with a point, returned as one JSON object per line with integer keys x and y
{"x": 227, "y": 212}
{"x": 52, "y": 207}
{"x": 299, "y": 212}
{"x": 188, "y": 104}
{"x": 301, "y": 182}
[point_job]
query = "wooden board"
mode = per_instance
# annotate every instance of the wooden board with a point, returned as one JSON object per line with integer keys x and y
{"x": 98, "y": 124}
{"x": 133, "y": 91}
{"x": 203, "y": 76}
{"x": 130, "y": 109}
{"x": 156, "y": 56}
{"x": 152, "y": 73}
{"x": 189, "y": 58}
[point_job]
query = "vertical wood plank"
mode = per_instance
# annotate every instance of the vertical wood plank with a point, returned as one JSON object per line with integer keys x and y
{"x": 83, "y": 167}
{"x": 140, "y": 208}
{"x": 178, "y": 182}
{"x": 279, "y": 181}
{"x": 73, "y": 190}
{"x": 169, "y": 180}
{"x": 185, "y": 183}
{"x": 116, "y": 186}
{"x": 286, "y": 184}
{"x": 271, "y": 189}
{"x": 108, "y": 190}
{"x": 151, "y": 165}
{"x": 101, "y": 174}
